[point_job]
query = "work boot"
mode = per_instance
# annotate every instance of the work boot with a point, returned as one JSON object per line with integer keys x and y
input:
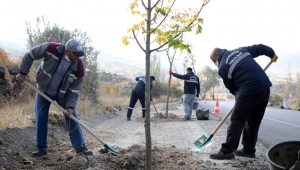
{"x": 40, "y": 152}
{"x": 128, "y": 119}
{"x": 244, "y": 154}
{"x": 84, "y": 150}
{"x": 221, "y": 156}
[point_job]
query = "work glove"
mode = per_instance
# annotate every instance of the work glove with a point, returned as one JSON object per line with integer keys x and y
{"x": 151, "y": 99}
{"x": 170, "y": 72}
{"x": 274, "y": 59}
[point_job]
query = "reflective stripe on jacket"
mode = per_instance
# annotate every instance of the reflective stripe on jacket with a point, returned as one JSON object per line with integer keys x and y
{"x": 241, "y": 74}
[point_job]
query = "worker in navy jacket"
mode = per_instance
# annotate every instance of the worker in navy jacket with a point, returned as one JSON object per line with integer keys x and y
{"x": 191, "y": 89}
{"x": 138, "y": 93}
{"x": 250, "y": 85}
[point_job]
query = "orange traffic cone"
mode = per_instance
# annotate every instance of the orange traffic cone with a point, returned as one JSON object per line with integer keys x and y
{"x": 217, "y": 110}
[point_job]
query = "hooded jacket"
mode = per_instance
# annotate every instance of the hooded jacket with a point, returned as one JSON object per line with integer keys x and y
{"x": 241, "y": 74}
{"x": 52, "y": 53}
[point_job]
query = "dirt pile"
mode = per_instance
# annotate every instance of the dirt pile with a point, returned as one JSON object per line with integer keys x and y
{"x": 160, "y": 118}
{"x": 170, "y": 145}
{"x": 15, "y": 155}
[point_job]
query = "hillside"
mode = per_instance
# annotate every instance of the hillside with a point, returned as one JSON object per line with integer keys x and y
{"x": 288, "y": 62}
{"x": 117, "y": 65}
{"x": 13, "y": 49}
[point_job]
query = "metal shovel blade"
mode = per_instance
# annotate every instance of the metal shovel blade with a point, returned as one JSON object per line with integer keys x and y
{"x": 203, "y": 142}
{"x": 111, "y": 148}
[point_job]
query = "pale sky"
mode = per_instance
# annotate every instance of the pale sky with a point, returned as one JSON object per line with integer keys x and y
{"x": 227, "y": 24}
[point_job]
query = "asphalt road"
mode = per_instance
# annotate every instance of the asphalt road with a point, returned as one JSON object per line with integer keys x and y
{"x": 278, "y": 125}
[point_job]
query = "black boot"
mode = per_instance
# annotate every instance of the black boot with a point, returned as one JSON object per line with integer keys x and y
{"x": 40, "y": 152}
{"x": 221, "y": 156}
{"x": 244, "y": 154}
{"x": 84, "y": 150}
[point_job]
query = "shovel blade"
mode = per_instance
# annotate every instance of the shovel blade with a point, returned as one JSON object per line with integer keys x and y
{"x": 203, "y": 142}
{"x": 112, "y": 149}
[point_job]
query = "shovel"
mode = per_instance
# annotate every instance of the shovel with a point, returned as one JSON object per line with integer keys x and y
{"x": 109, "y": 148}
{"x": 154, "y": 108}
{"x": 204, "y": 141}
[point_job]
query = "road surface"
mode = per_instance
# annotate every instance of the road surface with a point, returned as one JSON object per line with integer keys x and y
{"x": 278, "y": 125}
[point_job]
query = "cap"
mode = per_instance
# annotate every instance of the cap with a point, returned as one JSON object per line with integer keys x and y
{"x": 75, "y": 47}
{"x": 152, "y": 77}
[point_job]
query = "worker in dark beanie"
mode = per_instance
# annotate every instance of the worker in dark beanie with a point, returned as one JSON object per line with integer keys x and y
{"x": 138, "y": 93}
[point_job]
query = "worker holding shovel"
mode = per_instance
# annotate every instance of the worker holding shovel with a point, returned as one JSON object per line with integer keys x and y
{"x": 250, "y": 85}
{"x": 138, "y": 93}
{"x": 60, "y": 76}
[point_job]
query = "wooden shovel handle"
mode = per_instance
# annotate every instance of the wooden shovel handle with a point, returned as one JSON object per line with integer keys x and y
{"x": 65, "y": 111}
{"x": 230, "y": 111}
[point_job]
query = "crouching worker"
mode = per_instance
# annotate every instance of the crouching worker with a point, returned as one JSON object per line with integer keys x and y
{"x": 138, "y": 93}
{"x": 60, "y": 76}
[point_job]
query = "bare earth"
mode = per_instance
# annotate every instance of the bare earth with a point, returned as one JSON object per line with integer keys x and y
{"x": 172, "y": 141}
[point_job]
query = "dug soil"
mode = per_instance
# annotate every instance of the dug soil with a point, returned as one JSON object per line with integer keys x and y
{"x": 172, "y": 144}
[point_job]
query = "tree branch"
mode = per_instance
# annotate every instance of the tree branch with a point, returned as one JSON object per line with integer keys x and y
{"x": 137, "y": 41}
{"x": 143, "y": 4}
{"x": 155, "y": 4}
{"x": 156, "y": 49}
{"x": 162, "y": 50}
{"x": 164, "y": 17}
{"x": 154, "y": 18}
{"x": 153, "y": 40}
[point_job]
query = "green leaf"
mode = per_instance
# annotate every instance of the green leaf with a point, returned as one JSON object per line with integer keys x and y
{"x": 200, "y": 20}
{"x": 162, "y": 12}
{"x": 199, "y": 29}
{"x": 188, "y": 28}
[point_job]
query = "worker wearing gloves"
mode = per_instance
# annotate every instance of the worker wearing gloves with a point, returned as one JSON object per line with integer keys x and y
{"x": 250, "y": 85}
{"x": 191, "y": 88}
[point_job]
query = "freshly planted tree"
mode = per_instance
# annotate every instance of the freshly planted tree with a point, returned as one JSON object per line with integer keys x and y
{"x": 171, "y": 60}
{"x": 166, "y": 25}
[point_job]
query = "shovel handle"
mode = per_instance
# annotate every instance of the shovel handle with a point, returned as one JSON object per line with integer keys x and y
{"x": 64, "y": 110}
{"x": 230, "y": 111}
{"x": 154, "y": 107}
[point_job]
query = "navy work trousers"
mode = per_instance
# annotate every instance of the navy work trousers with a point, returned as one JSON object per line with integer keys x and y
{"x": 135, "y": 96}
{"x": 246, "y": 118}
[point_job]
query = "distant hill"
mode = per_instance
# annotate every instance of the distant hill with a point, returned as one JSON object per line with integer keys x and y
{"x": 13, "y": 49}
{"x": 287, "y": 62}
{"x": 117, "y": 65}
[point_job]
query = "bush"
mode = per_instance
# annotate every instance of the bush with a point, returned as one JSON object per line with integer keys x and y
{"x": 160, "y": 89}
{"x": 276, "y": 99}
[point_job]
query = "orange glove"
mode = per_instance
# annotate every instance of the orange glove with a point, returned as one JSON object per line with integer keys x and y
{"x": 170, "y": 72}
{"x": 274, "y": 59}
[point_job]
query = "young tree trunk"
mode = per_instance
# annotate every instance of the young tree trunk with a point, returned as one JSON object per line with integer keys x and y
{"x": 171, "y": 59}
{"x": 148, "y": 161}
{"x": 168, "y": 91}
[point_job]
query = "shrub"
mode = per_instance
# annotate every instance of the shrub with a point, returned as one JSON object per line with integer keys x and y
{"x": 276, "y": 99}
